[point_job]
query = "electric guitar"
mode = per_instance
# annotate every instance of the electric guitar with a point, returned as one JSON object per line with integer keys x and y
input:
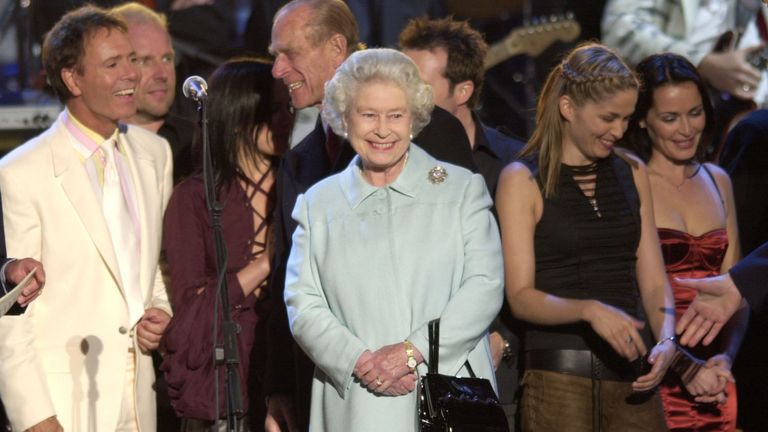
{"x": 533, "y": 39}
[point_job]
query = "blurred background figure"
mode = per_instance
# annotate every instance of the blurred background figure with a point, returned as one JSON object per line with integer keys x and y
{"x": 696, "y": 219}
{"x": 155, "y": 94}
{"x": 249, "y": 124}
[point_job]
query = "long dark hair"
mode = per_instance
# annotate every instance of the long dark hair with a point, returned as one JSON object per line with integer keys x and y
{"x": 656, "y": 71}
{"x": 242, "y": 93}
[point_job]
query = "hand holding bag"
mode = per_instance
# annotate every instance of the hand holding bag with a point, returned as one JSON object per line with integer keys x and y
{"x": 448, "y": 403}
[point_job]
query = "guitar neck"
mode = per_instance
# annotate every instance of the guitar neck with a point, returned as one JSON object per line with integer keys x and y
{"x": 533, "y": 39}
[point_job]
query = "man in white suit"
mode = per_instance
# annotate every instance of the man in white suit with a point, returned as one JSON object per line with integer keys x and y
{"x": 86, "y": 198}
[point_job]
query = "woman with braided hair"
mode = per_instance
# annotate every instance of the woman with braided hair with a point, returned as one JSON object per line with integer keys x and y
{"x": 582, "y": 261}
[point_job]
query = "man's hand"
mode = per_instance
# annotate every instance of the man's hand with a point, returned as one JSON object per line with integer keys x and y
{"x": 15, "y": 272}
{"x": 150, "y": 328}
{"x": 51, "y": 424}
{"x": 280, "y": 415}
{"x": 730, "y": 72}
{"x": 717, "y": 301}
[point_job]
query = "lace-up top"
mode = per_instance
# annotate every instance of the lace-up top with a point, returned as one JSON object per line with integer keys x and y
{"x": 586, "y": 244}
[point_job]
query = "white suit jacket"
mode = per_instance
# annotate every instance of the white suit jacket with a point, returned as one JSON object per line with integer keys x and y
{"x": 67, "y": 355}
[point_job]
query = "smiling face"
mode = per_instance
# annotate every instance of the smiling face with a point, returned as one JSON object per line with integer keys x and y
{"x": 157, "y": 87}
{"x": 103, "y": 86}
{"x": 592, "y": 129}
{"x": 675, "y": 121}
{"x": 379, "y": 126}
{"x": 303, "y": 65}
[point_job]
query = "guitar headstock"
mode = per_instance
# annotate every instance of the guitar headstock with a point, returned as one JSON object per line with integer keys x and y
{"x": 534, "y": 38}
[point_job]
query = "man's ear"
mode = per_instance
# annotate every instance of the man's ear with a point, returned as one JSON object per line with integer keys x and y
{"x": 463, "y": 91}
{"x": 567, "y": 107}
{"x": 70, "y": 78}
{"x": 337, "y": 48}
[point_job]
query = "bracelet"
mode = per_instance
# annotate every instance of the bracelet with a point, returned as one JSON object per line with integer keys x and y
{"x": 672, "y": 339}
{"x": 409, "y": 354}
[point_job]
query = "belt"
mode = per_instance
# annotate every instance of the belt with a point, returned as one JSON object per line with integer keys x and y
{"x": 582, "y": 363}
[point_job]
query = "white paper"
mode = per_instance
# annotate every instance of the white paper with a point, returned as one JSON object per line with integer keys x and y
{"x": 8, "y": 300}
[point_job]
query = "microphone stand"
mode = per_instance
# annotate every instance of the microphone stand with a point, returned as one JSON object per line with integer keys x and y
{"x": 225, "y": 354}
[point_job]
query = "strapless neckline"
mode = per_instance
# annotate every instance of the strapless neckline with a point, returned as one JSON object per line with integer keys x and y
{"x": 711, "y": 233}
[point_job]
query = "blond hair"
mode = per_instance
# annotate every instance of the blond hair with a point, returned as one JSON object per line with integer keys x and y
{"x": 589, "y": 73}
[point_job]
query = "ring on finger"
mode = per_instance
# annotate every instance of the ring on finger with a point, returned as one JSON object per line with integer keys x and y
{"x": 746, "y": 87}
{"x": 378, "y": 382}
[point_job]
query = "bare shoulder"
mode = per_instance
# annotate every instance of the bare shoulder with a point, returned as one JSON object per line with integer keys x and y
{"x": 721, "y": 176}
{"x": 518, "y": 188}
{"x": 631, "y": 159}
{"x": 517, "y": 173}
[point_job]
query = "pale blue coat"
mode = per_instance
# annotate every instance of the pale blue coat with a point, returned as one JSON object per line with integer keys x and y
{"x": 372, "y": 266}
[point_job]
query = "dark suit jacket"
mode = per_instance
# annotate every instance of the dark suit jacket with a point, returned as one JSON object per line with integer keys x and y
{"x": 289, "y": 370}
{"x": 745, "y": 158}
{"x": 751, "y": 277}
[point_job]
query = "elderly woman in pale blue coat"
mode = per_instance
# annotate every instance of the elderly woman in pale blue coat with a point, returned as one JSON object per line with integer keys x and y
{"x": 395, "y": 240}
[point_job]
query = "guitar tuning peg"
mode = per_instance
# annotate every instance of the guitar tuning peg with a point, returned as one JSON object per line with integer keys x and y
{"x": 569, "y": 15}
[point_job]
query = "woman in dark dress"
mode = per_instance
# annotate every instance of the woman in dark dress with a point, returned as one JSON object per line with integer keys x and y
{"x": 582, "y": 261}
{"x": 696, "y": 216}
{"x": 249, "y": 124}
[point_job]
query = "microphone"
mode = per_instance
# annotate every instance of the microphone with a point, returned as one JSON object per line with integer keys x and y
{"x": 195, "y": 88}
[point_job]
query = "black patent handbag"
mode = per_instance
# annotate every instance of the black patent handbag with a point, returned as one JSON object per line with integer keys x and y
{"x": 449, "y": 403}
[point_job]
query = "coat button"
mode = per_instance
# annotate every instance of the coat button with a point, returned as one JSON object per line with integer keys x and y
{"x": 122, "y": 330}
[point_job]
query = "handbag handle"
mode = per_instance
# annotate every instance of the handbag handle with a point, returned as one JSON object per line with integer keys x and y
{"x": 434, "y": 349}
{"x": 434, "y": 345}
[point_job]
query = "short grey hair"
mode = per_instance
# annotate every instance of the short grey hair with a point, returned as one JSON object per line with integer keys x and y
{"x": 376, "y": 65}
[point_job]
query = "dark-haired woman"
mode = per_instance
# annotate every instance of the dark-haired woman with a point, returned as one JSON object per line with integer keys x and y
{"x": 249, "y": 124}
{"x": 696, "y": 216}
{"x": 581, "y": 257}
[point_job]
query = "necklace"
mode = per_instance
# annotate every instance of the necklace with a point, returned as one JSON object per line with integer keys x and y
{"x": 677, "y": 187}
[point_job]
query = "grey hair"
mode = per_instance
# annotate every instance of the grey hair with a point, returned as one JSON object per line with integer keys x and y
{"x": 376, "y": 65}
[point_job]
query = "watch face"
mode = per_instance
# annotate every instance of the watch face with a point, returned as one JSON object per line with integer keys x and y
{"x": 411, "y": 363}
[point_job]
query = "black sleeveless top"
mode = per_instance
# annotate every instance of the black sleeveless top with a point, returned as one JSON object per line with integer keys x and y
{"x": 583, "y": 253}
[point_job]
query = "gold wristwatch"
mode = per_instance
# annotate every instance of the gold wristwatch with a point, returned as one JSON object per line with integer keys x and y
{"x": 411, "y": 361}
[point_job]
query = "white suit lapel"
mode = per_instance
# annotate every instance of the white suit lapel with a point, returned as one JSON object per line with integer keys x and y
{"x": 142, "y": 167}
{"x": 78, "y": 189}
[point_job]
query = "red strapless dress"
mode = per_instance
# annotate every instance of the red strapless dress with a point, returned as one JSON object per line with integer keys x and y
{"x": 690, "y": 256}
